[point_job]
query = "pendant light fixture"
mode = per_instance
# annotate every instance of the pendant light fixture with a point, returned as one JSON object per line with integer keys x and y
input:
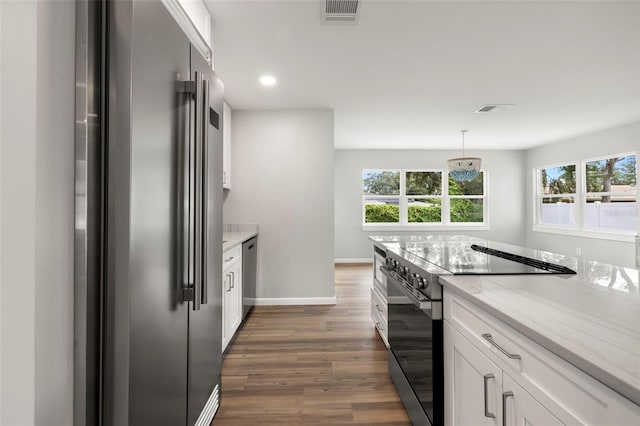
{"x": 464, "y": 168}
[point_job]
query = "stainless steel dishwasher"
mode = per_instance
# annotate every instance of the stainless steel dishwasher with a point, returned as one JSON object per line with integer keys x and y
{"x": 249, "y": 268}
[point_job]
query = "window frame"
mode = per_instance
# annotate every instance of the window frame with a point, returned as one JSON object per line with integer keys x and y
{"x": 445, "y": 224}
{"x": 539, "y": 195}
{"x": 580, "y": 229}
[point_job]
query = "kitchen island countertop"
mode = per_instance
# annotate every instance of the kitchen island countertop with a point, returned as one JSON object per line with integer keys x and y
{"x": 593, "y": 327}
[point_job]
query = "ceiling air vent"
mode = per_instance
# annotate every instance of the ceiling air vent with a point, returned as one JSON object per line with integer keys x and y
{"x": 493, "y": 108}
{"x": 341, "y": 10}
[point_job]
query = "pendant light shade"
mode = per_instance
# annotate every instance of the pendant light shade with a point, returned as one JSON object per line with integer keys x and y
{"x": 464, "y": 168}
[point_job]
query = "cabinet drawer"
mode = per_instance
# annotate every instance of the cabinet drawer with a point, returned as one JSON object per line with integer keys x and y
{"x": 379, "y": 317}
{"x": 572, "y": 395}
{"x": 231, "y": 256}
{"x": 379, "y": 303}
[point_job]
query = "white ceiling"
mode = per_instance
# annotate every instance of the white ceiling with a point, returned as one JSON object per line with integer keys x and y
{"x": 410, "y": 74}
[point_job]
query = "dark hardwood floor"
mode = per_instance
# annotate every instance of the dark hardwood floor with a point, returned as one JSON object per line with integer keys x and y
{"x": 311, "y": 365}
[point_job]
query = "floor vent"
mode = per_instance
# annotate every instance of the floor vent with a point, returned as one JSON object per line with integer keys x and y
{"x": 210, "y": 408}
{"x": 341, "y": 10}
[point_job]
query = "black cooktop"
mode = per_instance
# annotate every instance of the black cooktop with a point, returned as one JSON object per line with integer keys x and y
{"x": 489, "y": 258}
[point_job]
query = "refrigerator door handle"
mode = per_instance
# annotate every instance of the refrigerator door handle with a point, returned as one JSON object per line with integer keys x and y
{"x": 205, "y": 199}
{"x": 185, "y": 200}
{"x": 197, "y": 205}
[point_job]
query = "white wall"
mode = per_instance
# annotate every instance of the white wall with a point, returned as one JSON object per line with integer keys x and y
{"x": 17, "y": 226}
{"x": 55, "y": 212}
{"x": 505, "y": 200}
{"x": 612, "y": 141}
{"x": 282, "y": 167}
{"x": 36, "y": 216}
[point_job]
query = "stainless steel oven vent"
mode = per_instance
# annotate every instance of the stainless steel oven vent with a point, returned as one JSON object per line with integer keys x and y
{"x": 341, "y": 10}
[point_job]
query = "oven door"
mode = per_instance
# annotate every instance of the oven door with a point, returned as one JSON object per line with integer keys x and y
{"x": 415, "y": 340}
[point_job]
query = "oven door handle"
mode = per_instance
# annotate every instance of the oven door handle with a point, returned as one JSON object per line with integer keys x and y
{"x": 423, "y": 305}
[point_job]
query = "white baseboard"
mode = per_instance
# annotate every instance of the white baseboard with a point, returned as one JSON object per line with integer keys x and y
{"x": 275, "y": 301}
{"x": 354, "y": 260}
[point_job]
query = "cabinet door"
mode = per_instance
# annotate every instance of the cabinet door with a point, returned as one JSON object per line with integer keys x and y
{"x": 520, "y": 408}
{"x": 227, "y": 308}
{"x": 236, "y": 295}
{"x": 473, "y": 383}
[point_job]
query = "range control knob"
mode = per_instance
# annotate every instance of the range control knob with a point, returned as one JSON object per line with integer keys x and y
{"x": 406, "y": 271}
{"x": 416, "y": 280}
{"x": 422, "y": 283}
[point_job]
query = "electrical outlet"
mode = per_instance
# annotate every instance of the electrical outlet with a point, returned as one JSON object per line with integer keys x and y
{"x": 578, "y": 251}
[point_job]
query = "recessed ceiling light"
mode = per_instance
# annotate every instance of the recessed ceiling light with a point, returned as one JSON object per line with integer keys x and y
{"x": 267, "y": 80}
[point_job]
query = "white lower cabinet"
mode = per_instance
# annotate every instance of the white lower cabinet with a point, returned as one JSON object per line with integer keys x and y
{"x": 495, "y": 375}
{"x": 379, "y": 314}
{"x": 473, "y": 384}
{"x": 479, "y": 393}
{"x": 231, "y": 293}
{"x": 520, "y": 408}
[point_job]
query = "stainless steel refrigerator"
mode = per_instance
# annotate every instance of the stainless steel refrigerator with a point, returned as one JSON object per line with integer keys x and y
{"x": 148, "y": 220}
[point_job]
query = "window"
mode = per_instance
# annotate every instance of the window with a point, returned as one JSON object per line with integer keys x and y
{"x": 592, "y": 195}
{"x": 422, "y": 198}
{"x": 467, "y": 200}
{"x": 381, "y": 191}
{"x": 557, "y": 195}
{"x": 611, "y": 192}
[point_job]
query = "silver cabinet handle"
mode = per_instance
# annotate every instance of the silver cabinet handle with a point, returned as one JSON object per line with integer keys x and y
{"x": 486, "y": 378}
{"x": 378, "y": 308}
{"x": 229, "y": 282}
{"x": 233, "y": 279}
{"x": 488, "y": 338}
{"x": 505, "y": 395}
{"x": 229, "y": 259}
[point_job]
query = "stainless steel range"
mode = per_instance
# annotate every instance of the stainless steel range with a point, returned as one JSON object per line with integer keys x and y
{"x": 414, "y": 297}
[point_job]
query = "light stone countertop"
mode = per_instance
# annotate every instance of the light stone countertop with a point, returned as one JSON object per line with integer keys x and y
{"x": 595, "y": 328}
{"x": 232, "y": 239}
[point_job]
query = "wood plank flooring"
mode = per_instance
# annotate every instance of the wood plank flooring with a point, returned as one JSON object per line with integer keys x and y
{"x": 311, "y": 365}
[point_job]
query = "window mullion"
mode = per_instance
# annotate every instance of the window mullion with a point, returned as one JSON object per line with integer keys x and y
{"x": 445, "y": 198}
{"x": 581, "y": 189}
{"x": 537, "y": 176}
{"x": 403, "y": 204}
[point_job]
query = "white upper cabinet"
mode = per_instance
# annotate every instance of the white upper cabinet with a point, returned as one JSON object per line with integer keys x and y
{"x": 195, "y": 20}
{"x": 199, "y": 16}
{"x": 226, "y": 147}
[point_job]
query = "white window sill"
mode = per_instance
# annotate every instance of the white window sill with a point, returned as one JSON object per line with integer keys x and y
{"x": 424, "y": 228}
{"x": 627, "y": 237}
